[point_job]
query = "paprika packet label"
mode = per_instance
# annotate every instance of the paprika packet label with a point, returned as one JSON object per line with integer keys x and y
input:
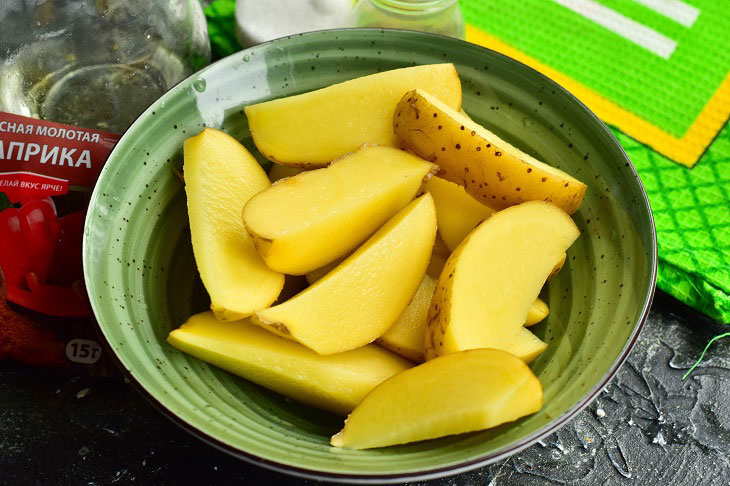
{"x": 47, "y": 171}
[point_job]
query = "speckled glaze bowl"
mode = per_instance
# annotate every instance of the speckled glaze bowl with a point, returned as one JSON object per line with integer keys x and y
{"x": 142, "y": 279}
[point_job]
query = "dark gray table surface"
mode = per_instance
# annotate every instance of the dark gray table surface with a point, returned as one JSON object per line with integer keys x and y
{"x": 647, "y": 427}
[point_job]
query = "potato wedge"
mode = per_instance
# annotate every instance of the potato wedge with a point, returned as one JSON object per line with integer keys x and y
{"x": 312, "y": 129}
{"x": 220, "y": 176}
{"x": 407, "y": 335}
{"x": 457, "y": 212}
{"x": 538, "y": 311}
{"x": 334, "y": 383}
{"x": 461, "y": 392}
{"x": 304, "y": 222}
{"x": 490, "y": 282}
{"x": 362, "y": 297}
{"x": 492, "y": 171}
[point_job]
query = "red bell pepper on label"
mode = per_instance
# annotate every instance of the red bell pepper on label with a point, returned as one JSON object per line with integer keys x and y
{"x": 28, "y": 240}
{"x": 41, "y": 258}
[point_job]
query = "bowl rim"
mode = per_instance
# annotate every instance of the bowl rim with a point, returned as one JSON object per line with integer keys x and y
{"x": 393, "y": 478}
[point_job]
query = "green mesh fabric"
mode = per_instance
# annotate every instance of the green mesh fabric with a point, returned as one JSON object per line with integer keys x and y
{"x": 692, "y": 214}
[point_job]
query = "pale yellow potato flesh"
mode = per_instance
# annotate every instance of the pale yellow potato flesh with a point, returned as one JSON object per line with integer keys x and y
{"x": 490, "y": 169}
{"x": 538, "y": 311}
{"x": 491, "y": 280}
{"x": 461, "y": 392}
{"x": 361, "y": 298}
{"x": 220, "y": 176}
{"x": 304, "y": 222}
{"x": 278, "y": 172}
{"x": 334, "y": 383}
{"x": 407, "y": 335}
{"x": 312, "y": 129}
{"x": 457, "y": 212}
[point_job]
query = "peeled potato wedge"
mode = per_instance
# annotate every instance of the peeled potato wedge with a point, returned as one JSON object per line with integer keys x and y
{"x": 457, "y": 212}
{"x": 491, "y": 170}
{"x": 489, "y": 283}
{"x": 461, "y": 392}
{"x": 363, "y": 296}
{"x": 334, "y": 383}
{"x": 312, "y": 129}
{"x": 407, "y": 335}
{"x": 306, "y": 221}
{"x": 220, "y": 176}
{"x": 538, "y": 311}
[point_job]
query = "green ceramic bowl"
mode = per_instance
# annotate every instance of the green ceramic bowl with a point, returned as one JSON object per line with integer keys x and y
{"x": 142, "y": 279}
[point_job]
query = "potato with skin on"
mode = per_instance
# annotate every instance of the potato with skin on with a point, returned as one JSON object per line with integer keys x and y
{"x": 456, "y": 211}
{"x": 334, "y": 383}
{"x": 462, "y": 392}
{"x": 491, "y": 170}
{"x": 407, "y": 335}
{"x": 304, "y": 222}
{"x": 489, "y": 283}
{"x": 362, "y": 297}
{"x": 220, "y": 176}
{"x": 311, "y": 129}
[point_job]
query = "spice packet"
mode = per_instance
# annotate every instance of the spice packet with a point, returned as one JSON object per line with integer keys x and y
{"x": 47, "y": 172}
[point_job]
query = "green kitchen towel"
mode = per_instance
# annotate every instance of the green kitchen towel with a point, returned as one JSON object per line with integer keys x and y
{"x": 658, "y": 72}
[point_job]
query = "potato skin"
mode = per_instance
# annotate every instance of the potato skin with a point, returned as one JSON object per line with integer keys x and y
{"x": 439, "y": 311}
{"x": 491, "y": 170}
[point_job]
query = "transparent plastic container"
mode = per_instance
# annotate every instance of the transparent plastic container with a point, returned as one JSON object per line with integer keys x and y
{"x": 437, "y": 16}
{"x": 96, "y": 63}
{"x": 74, "y": 75}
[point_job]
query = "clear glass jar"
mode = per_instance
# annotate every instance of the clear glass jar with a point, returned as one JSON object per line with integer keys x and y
{"x": 96, "y": 63}
{"x": 437, "y": 16}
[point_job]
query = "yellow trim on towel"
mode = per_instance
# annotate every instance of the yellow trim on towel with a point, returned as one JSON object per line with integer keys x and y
{"x": 686, "y": 150}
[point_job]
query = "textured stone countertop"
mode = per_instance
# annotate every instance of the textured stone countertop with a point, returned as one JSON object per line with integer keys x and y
{"x": 647, "y": 427}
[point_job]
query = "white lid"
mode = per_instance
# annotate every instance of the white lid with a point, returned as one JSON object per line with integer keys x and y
{"x": 262, "y": 20}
